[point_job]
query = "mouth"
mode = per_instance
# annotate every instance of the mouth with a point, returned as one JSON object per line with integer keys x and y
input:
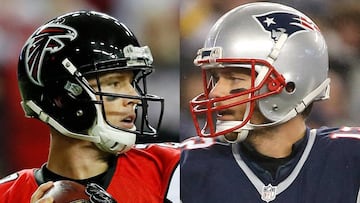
{"x": 128, "y": 122}
{"x": 225, "y": 115}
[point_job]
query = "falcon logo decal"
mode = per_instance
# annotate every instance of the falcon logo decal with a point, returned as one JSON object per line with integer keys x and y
{"x": 278, "y": 23}
{"x": 50, "y": 38}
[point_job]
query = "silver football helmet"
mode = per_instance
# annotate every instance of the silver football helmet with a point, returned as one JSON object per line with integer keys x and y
{"x": 288, "y": 59}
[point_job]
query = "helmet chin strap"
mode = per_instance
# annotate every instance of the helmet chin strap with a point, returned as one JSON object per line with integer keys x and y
{"x": 108, "y": 137}
{"x": 241, "y": 133}
{"x": 112, "y": 140}
{"x": 241, "y": 136}
{"x": 52, "y": 122}
{"x": 105, "y": 137}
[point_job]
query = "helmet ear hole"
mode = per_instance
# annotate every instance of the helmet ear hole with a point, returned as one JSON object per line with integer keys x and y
{"x": 290, "y": 87}
{"x": 76, "y": 113}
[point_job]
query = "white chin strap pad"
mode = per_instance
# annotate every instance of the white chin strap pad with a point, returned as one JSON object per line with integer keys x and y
{"x": 242, "y": 133}
{"x": 241, "y": 136}
{"x": 113, "y": 140}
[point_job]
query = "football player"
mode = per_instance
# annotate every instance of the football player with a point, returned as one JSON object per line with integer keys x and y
{"x": 263, "y": 65}
{"x": 84, "y": 75}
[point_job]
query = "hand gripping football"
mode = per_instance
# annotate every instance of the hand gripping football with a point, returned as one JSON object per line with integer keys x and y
{"x": 65, "y": 191}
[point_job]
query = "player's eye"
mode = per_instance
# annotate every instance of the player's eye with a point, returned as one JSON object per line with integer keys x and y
{"x": 113, "y": 84}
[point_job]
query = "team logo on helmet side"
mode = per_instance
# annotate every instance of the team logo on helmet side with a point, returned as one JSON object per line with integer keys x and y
{"x": 278, "y": 23}
{"x": 48, "y": 39}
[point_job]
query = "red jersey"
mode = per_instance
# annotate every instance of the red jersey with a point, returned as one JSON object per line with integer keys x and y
{"x": 141, "y": 175}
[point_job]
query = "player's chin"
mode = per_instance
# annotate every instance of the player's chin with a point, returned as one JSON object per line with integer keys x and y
{"x": 232, "y": 136}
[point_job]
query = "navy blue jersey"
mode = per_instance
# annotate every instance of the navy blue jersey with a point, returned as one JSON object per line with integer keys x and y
{"x": 326, "y": 169}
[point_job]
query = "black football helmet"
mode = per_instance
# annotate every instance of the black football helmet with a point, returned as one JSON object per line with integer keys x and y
{"x": 56, "y": 63}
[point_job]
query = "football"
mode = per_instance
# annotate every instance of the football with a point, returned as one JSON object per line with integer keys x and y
{"x": 65, "y": 191}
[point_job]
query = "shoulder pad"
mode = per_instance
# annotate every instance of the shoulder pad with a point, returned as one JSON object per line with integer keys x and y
{"x": 346, "y": 132}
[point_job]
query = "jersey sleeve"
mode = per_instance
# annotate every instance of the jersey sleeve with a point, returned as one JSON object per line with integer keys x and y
{"x": 12, "y": 186}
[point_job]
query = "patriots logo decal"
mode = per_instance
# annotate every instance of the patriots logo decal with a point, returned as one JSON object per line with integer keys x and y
{"x": 50, "y": 38}
{"x": 278, "y": 23}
